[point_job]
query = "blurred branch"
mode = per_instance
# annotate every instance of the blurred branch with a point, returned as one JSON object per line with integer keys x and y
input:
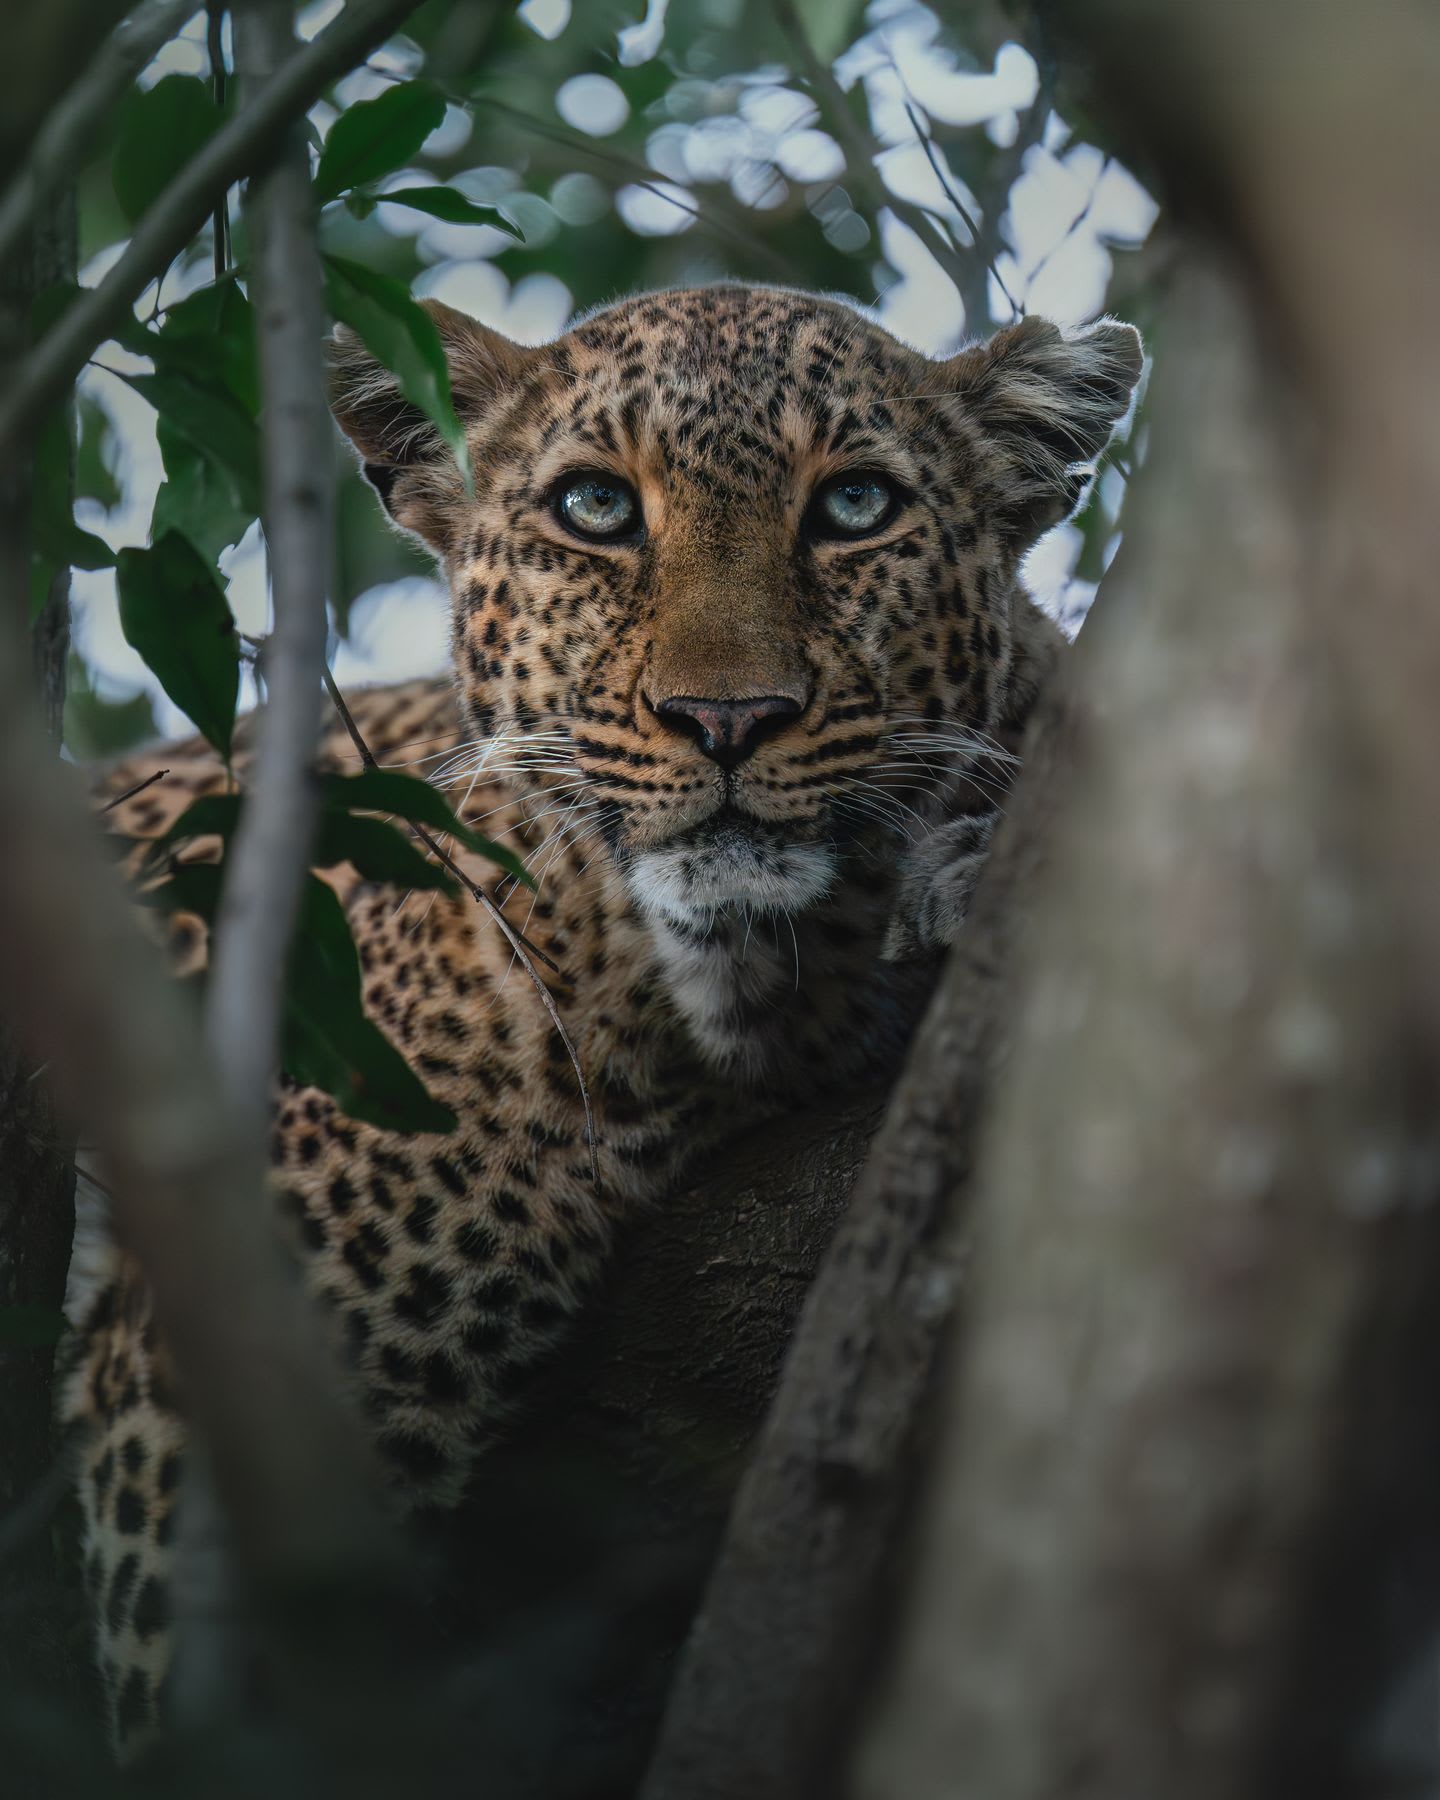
{"x": 65, "y": 139}
{"x": 985, "y": 239}
{"x": 184, "y": 1156}
{"x": 268, "y": 860}
{"x": 243, "y": 146}
{"x": 37, "y": 1182}
{"x": 92, "y": 995}
{"x": 1233, "y": 105}
{"x": 40, "y": 62}
{"x": 780, "y": 1645}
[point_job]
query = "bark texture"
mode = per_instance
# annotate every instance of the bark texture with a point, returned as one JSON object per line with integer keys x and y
{"x": 782, "y": 1642}
{"x": 37, "y": 1176}
{"x": 1205, "y": 1208}
{"x": 610, "y": 1497}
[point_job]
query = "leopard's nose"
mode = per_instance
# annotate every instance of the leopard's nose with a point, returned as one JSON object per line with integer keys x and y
{"x": 728, "y": 731}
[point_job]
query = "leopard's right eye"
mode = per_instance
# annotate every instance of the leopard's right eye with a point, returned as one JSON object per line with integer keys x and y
{"x": 598, "y": 506}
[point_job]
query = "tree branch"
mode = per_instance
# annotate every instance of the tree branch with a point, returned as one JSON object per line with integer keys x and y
{"x": 779, "y": 1647}
{"x": 242, "y": 147}
{"x": 269, "y": 857}
{"x": 94, "y": 999}
{"x": 40, "y": 63}
{"x": 37, "y": 1178}
{"x": 65, "y": 139}
{"x": 1192, "y": 1413}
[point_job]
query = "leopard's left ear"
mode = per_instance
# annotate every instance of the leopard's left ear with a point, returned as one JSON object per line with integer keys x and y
{"x": 1049, "y": 401}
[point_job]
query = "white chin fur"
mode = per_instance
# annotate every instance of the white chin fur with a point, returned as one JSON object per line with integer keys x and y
{"x": 687, "y": 884}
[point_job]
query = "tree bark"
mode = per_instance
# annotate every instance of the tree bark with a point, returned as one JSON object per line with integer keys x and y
{"x": 37, "y": 1175}
{"x": 780, "y": 1647}
{"x": 1190, "y": 1418}
{"x": 611, "y": 1493}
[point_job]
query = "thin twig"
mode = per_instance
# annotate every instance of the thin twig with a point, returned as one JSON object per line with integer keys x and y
{"x": 521, "y": 946}
{"x": 248, "y": 142}
{"x": 861, "y": 149}
{"x": 68, "y": 134}
{"x": 131, "y": 792}
{"x": 215, "y": 47}
{"x": 967, "y": 218}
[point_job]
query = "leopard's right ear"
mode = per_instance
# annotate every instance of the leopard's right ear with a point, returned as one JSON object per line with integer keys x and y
{"x": 404, "y": 457}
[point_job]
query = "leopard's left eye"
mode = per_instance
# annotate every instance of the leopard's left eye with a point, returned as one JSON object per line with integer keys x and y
{"x": 852, "y": 505}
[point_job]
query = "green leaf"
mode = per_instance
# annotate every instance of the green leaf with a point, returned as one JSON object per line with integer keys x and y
{"x": 401, "y": 335}
{"x": 214, "y": 424}
{"x": 30, "y": 1327}
{"x": 71, "y": 546}
{"x": 375, "y": 136}
{"x": 210, "y": 336}
{"x": 446, "y": 203}
{"x": 197, "y": 498}
{"x": 407, "y": 796}
{"x": 173, "y": 612}
{"x": 330, "y": 1042}
{"x": 377, "y": 851}
{"x": 161, "y": 128}
{"x": 189, "y": 887}
{"x": 94, "y": 477}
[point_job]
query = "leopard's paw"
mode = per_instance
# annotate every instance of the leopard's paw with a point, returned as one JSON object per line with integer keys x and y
{"x": 937, "y": 880}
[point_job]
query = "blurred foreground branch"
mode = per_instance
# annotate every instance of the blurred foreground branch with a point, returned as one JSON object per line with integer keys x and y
{"x": 270, "y": 856}
{"x": 1198, "y": 1326}
{"x": 92, "y": 998}
{"x": 37, "y": 1177}
{"x": 1178, "y": 1535}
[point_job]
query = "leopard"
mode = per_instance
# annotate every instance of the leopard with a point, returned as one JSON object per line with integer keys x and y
{"x": 742, "y": 662}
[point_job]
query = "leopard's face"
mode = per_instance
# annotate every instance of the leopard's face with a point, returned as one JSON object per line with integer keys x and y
{"x": 735, "y": 585}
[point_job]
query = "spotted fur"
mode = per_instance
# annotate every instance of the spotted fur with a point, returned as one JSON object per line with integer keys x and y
{"x": 721, "y": 928}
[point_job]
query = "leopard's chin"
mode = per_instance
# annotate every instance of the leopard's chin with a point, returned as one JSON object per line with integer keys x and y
{"x": 730, "y": 862}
